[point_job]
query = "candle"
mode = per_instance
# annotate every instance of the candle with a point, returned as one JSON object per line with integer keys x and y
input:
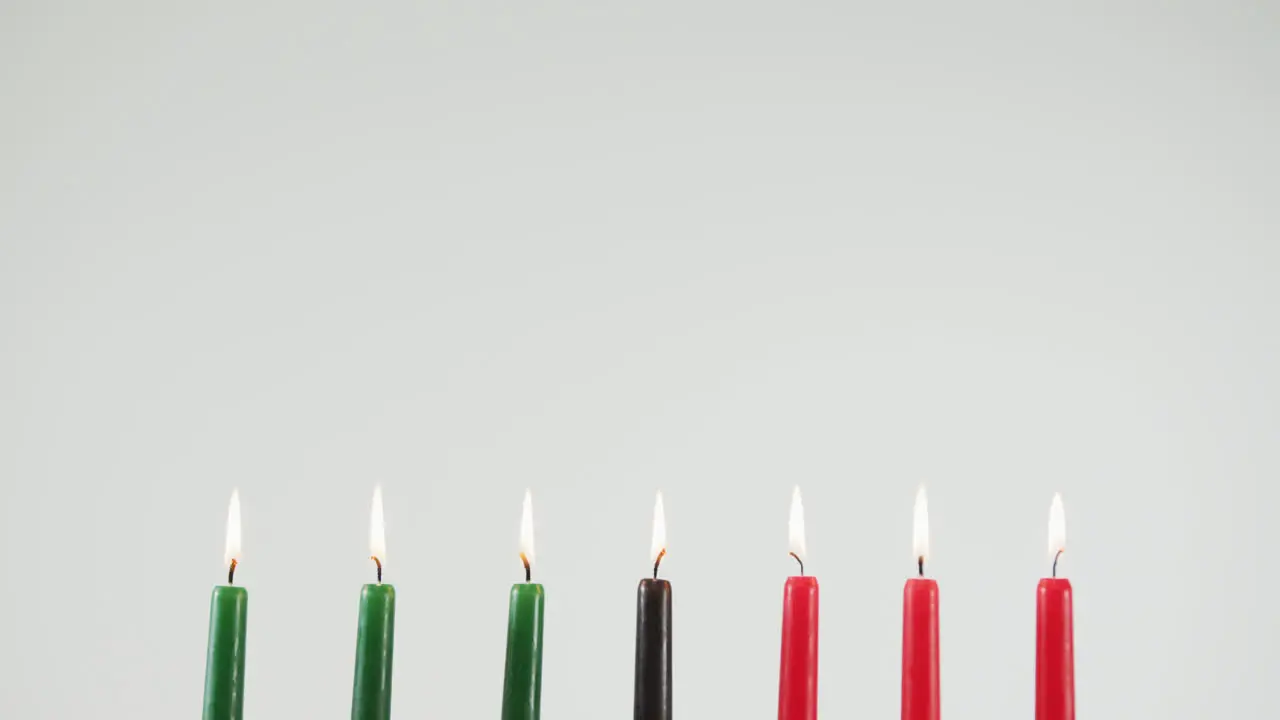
{"x": 653, "y": 632}
{"x": 920, "y": 677}
{"x": 522, "y": 686}
{"x": 1055, "y": 655}
{"x": 228, "y": 617}
{"x": 375, "y": 631}
{"x": 798, "y": 673}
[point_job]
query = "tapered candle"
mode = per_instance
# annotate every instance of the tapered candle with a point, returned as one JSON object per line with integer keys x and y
{"x": 798, "y": 672}
{"x": 653, "y": 632}
{"x": 375, "y": 631}
{"x": 921, "y": 682}
{"x": 228, "y": 619}
{"x": 1055, "y": 653}
{"x": 522, "y": 684}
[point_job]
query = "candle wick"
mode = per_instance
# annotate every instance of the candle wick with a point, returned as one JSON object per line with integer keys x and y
{"x": 231, "y": 573}
{"x": 657, "y": 562}
{"x": 920, "y": 565}
{"x": 797, "y": 557}
{"x": 528, "y": 574}
{"x": 1055, "y": 562}
{"x": 377, "y": 562}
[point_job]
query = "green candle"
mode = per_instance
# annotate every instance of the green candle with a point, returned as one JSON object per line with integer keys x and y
{"x": 371, "y": 694}
{"x": 522, "y": 688}
{"x": 228, "y": 618}
{"x": 224, "y": 664}
{"x": 522, "y": 685}
{"x": 371, "y": 697}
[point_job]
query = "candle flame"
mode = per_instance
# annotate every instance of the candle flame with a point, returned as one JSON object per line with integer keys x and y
{"x": 659, "y": 546}
{"x": 920, "y": 527}
{"x": 796, "y": 525}
{"x": 377, "y": 528}
{"x": 526, "y": 530}
{"x": 1057, "y": 528}
{"x": 232, "y": 551}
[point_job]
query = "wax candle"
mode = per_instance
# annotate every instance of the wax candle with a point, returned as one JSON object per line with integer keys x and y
{"x": 921, "y": 693}
{"x": 522, "y": 684}
{"x": 228, "y": 618}
{"x": 375, "y": 630}
{"x": 1055, "y": 654}
{"x": 653, "y": 632}
{"x": 798, "y": 671}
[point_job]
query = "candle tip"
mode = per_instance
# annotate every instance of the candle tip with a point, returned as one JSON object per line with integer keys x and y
{"x": 798, "y": 560}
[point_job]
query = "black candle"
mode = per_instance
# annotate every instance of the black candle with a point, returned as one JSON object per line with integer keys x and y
{"x": 653, "y": 634}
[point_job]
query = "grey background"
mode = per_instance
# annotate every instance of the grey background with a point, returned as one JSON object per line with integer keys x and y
{"x": 598, "y": 249}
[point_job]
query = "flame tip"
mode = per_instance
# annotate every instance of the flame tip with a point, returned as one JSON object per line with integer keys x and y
{"x": 526, "y": 529}
{"x": 795, "y": 527}
{"x": 658, "y": 544}
{"x": 231, "y": 548}
{"x": 1057, "y": 529}
{"x": 920, "y": 527}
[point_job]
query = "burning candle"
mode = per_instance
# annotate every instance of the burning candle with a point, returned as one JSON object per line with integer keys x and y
{"x": 653, "y": 632}
{"x": 920, "y": 677}
{"x": 375, "y": 632}
{"x": 522, "y": 683}
{"x": 1055, "y": 654}
{"x": 228, "y": 619}
{"x": 798, "y": 671}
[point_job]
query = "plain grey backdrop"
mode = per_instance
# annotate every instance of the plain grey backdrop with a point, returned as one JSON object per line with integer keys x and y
{"x": 598, "y": 249}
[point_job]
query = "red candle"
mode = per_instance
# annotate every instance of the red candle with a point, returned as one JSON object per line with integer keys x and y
{"x": 921, "y": 694}
{"x": 798, "y": 672}
{"x": 1055, "y": 655}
